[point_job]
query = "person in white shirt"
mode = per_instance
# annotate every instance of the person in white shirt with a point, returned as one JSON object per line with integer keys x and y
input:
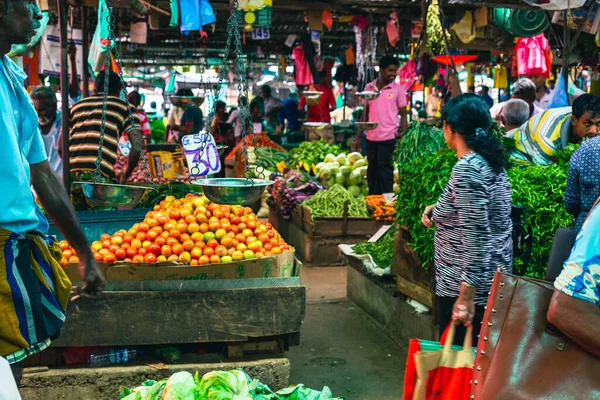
{"x": 514, "y": 114}
{"x": 523, "y": 89}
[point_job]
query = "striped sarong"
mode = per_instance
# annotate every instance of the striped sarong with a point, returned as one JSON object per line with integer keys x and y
{"x": 34, "y": 292}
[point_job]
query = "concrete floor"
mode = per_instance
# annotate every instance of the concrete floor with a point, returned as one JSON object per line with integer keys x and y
{"x": 340, "y": 345}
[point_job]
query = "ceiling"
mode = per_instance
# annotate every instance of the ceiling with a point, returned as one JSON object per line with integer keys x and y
{"x": 168, "y": 46}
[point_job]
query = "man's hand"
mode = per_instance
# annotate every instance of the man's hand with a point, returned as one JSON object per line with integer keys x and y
{"x": 94, "y": 282}
{"x": 72, "y": 50}
{"x": 426, "y": 217}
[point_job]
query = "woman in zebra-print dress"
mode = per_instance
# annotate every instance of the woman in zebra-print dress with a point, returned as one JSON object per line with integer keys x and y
{"x": 472, "y": 216}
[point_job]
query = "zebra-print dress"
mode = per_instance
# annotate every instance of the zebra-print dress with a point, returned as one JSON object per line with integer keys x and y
{"x": 473, "y": 235}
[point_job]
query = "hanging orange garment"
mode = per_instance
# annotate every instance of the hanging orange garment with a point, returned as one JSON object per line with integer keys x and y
{"x": 350, "y": 56}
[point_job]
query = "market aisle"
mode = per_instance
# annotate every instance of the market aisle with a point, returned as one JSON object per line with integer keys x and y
{"x": 342, "y": 348}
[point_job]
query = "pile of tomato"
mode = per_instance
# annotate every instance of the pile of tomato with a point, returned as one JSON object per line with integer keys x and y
{"x": 191, "y": 230}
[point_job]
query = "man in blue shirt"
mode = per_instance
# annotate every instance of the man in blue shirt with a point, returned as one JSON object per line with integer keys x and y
{"x": 485, "y": 95}
{"x": 583, "y": 182}
{"x": 575, "y": 306}
{"x": 291, "y": 114}
{"x": 34, "y": 290}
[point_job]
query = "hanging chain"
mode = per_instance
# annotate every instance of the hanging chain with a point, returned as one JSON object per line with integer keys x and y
{"x": 133, "y": 126}
{"x": 233, "y": 34}
{"x": 245, "y": 117}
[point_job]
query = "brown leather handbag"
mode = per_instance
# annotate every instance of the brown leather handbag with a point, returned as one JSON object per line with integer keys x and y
{"x": 522, "y": 357}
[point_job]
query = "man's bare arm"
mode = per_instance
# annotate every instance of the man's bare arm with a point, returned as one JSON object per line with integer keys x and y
{"x": 578, "y": 319}
{"x": 57, "y": 206}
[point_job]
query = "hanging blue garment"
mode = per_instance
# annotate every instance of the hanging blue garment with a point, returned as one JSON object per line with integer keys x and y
{"x": 174, "y": 13}
{"x": 206, "y": 13}
{"x": 195, "y": 14}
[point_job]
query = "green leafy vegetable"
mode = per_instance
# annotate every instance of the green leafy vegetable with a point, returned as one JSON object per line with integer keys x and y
{"x": 418, "y": 141}
{"x": 224, "y": 385}
{"x": 381, "y": 251}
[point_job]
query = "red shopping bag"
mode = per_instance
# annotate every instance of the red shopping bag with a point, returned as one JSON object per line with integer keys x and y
{"x": 410, "y": 373}
{"x": 445, "y": 374}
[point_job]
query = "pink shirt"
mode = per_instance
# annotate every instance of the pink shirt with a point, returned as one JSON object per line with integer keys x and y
{"x": 385, "y": 109}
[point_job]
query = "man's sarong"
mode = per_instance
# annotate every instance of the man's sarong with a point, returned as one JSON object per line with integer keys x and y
{"x": 34, "y": 292}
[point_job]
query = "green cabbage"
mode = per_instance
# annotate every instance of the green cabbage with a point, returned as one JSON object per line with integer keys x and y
{"x": 340, "y": 178}
{"x": 224, "y": 385}
{"x": 354, "y": 190}
{"x": 341, "y": 159}
{"x": 180, "y": 386}
{"x": 355, "y": 178}
{"x": 360, "y": 163}
{"x": 354, "y": 157}
{"x": 346, "y": 170}
{"x": 329, "y": 158}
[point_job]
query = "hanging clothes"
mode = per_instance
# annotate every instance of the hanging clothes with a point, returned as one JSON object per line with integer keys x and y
{"x": 464, "y": 29}
{"x": 195, "y": 14}
{"x": 500, "y": 74}
{"x": 533, "y": 56}
{"x": 481, "y": 17}
{"x": 309, "y": 53}
{"x": 174, "y": 13}
{"x": 391, "y": 28}
{"x": 350, "y": 56}
{"x": 303, "y": 74}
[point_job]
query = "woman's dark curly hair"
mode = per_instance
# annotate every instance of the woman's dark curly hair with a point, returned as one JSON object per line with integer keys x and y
{"x": 469, "y": 116}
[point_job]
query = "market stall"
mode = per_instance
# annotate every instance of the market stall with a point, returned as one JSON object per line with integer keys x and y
{"x": 322, "y": 202}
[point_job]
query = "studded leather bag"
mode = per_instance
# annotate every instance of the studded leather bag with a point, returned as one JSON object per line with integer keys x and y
{"x": 521, "y": 356}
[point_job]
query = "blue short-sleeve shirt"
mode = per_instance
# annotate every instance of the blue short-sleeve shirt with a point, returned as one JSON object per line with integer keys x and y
{"x": 580, "y": 277}
{"x": 21, "y": 146}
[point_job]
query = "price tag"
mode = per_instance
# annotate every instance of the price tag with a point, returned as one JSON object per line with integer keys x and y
{"x": 124, "y": 146}
{"x": 202, "y": 154}
{"x": 257, "y": 127}
{"x": 261, "y": 34}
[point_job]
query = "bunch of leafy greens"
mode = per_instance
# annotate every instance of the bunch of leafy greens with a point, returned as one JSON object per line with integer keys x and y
{"x": 419, "y": 141}
{"x": 421, "y": 183}
{"x": 381, "y": 251}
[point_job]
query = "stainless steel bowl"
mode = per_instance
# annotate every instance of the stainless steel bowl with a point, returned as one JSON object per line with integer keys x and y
{"x": 105, "y": 195}
{"x": 312, "y": 98}
{"x": 368, "y": 95}
{"x": 316, "y": 125}
{"x": 186, "y": 101}
{"x": 366, "y": 126}
{"x": 233, "y": 191}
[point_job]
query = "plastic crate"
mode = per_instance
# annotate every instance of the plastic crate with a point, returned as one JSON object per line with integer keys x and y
{"x": 95, "y": 223}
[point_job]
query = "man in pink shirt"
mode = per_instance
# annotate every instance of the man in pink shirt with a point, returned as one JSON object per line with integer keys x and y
{"x": 385, "y": 110}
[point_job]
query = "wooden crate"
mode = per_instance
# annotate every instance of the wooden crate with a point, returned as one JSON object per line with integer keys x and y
{"x": 334, "y": 226}
{"x": 412, "y": 280}
{"x": 314, "y": 250}
{"x": 136, "y": 313}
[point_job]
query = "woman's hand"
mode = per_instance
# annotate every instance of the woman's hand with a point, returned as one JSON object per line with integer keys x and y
{"x": 464, "y": 307}
{"x": 427, "y": 214}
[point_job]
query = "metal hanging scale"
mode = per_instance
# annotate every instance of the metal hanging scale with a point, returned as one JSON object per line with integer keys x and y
{"x": 233, "y": 191}
{"x": 101, "y": 195}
